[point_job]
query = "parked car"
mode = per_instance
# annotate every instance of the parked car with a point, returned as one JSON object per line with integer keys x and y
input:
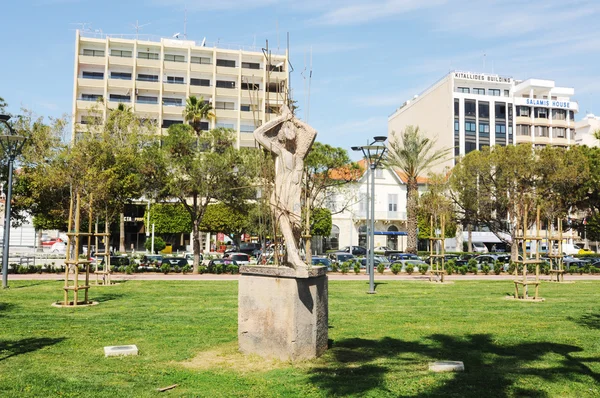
{"x": 355, "y": 250}
{"x": 190, "y": 258}
{"x": 151, "y": 260}
{"x": 239, "y": 258}
{"x": 382, "y": 250}
{"x": 571, "y": 262}
{"x": 249, "y": 248}
{"x": 220, "y": 261}
{"x": 480, "y": 247}
{"x": 58, "y": 247}
{"x": 410, "y": 263}
{"x": 403, "y": 256}
{"x": 117, "y": 261}
{"x": 340, "y": 257}
{"x": 322, "y": 261}
{"x": 376, "y": 261}
{"x": 176, "y": 261}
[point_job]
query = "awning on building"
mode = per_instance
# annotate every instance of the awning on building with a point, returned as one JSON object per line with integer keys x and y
{"x": 397, "y": 233}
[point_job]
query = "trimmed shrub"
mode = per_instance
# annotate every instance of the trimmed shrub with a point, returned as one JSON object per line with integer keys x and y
{"x": 381, "y": 268}
{"x": 450, "y": 266}
{"x": 423, "y": 268}
{"x": 396, "y": 268}
{"x": 201, "y": 269}
{"x": 356, "y": 267}
{"x": 485, "y": 269}
{"x": 463, "y": 270}
{"x": 335, "y": 267}
{"x": 177, "y": 269}
{"x": 233, "y": 269}
{"x": 165, "y": 268}
{"x": 512, "y": 267}
{"x": 472, "y": 266}
{"x": 498, "y": 266}
{"x": 409, "y": 268}
{"x": 345, "y": 267}
{"x": 129, "y": 270}
{"x": 186, "y": 269}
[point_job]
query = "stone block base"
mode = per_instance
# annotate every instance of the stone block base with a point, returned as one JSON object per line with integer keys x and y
{"x": 281, "y": 315}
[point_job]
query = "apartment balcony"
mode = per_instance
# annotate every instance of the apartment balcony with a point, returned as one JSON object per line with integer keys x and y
{"x": 256, "y": 73}
{"x": 227, "y": 92}
{"x": 147, "y": 107}
{"x": 201, "y": 90}
{"x": 115, "y": 103}
{"x": 173, "y": 109}
{"x": 180, "y": 88}
{"x": 277, "y": 76}
{"x": 226, "y": 114}
{"x": 523, "y": 139}
{"x": 203, "y": 68}
{"x": 561, "y": 141}
{"x": 252, "y": 96}
{"x": 95, "y": 83}
{"x": 120, "y": 83}
{"x": 523, "y": 120}
{"x": 87, "y": 104}
{"x": 147, "y": 85}
{"x": 120, "y": 61}
{"x": 538, "y": 121}
{"x": 179, "y": 66}
{"x": 541, "y": 140}
{"x": 559, "y": 123}
{"x": 227, "y": 70}
{"x": 148, "y": 63}
{"x": 247, "y": 140}
{"x": 248, "y": 116}
{"x": 90, "y": 60}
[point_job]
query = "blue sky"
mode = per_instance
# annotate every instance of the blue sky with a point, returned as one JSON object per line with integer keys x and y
{"x": 368, "y": 56}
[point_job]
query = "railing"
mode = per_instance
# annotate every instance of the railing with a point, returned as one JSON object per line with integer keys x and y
{"x": 143, "y": 79}
{"x": 173, "y": 82}
{"x": 146, "y": 101}
{"x": 91, "y": 99}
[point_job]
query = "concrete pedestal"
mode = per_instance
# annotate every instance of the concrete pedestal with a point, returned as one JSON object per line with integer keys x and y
{"x": 282, "y": 315}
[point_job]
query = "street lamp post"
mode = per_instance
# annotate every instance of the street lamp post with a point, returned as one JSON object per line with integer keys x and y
{"x": 373, "y": 154}
{"x": 12, "y": 145}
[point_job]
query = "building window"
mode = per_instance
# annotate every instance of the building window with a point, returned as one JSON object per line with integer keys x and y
{"x": 120, "y": 53}
{"x": 224, "y": 105}
{"x": 172, "y": 101}
{"x": 484, "y": 110}
{"x": 470, "y": 108}
{"x": 456, "y": 138}
{"x": 572, "y": 133}
{"x": 168, "y": 123}
{"x": 250, "y": 86}
{"x": 225, "y": 125}
{"x": 523, "y": 111}
{"x": 392, "y": 203}
{"x": 174, "y": 58}
{"x": 119, "y": 98}
{"x": 251, "y": 65}
{"x": 470, "y": 128}
{"x": 541, "y": 113}
{"x": 175, "y": 80}
{"x": 506, "y": 93}
{"x": 362, "y": 203}
{"x": 463, "y": 90}
{"x": 480, "y": 91}
{"x": 225, "y": 84}
{"x": 523, "y": 129}
{"x": 200, "y": 82}
{"x": 500, "y": 110}
{"x": 332, "y": 242}
{"x": 470, "y": 146}
{"x": 571, "y": 115}
{"x": 147, "y": 78}
{"x": 146, "y": 55}
{"x": 226, "y": 63}
{"x": 200, "y": 60}
{"x": 93, "y": 53}
{"x": 378, "y": 173}
{"x": 484, "y": 129}
{"x": 501, "y": 128}
{"x": 559, "y": 132}
{"x": 90, "y": 120}
{"x": 276, "y": 68}
{"x": 120, "y": 75}
{"x": 559, "y": 114}
{"x": 494, "y": 92}
{"x": 541, "y": 131}
{"x": 245, "y": 108}
{"x": 91, "y": 97}
{"x": 144, "y": 99}
{"x": 456, "y": 107}
{"x": 92, "y": 75}
{"x": 246, "y": 128}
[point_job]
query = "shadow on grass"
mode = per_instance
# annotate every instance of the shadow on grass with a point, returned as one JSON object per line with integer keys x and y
{"x": 5, "y": 307}
{"x": 11, "y": 348}
{"x": 360, "y": 367}
{"x": 591, "y": 321}
{"x": 104, "y": 297}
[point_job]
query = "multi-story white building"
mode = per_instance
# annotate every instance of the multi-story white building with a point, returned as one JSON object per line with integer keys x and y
{"x": 585, "y": 129}
{"x": 467, "y": 111}
{"x": 154, "y": 78}
{"x": 350, "y": 225}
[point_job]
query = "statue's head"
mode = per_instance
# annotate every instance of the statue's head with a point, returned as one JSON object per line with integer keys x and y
{"x": 287, "y": 132}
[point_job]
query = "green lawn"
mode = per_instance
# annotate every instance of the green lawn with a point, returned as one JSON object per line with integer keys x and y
{"x": 380, "y": 344}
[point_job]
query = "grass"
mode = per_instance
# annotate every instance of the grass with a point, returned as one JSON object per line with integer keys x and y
{"x": 380, "y": 344}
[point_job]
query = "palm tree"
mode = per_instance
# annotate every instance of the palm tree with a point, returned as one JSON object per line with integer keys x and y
{"x": 196, "y": 110}
{"x": 414, "y": 154}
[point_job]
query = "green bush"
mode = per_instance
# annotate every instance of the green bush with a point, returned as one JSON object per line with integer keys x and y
{"x": 159, "y": 244}
{"x": 396, "y": 268}
{"x": 409, "y": 268}
{"x": 594, "y": 270}
{"x": 186, "y": 269}
{"x": 233, "y": 269}
{"x": 498, "y": 266}
{"x": 335, "y": 267}
{"x": 381, "y": 268}
{"x": 531, "y": 268}
{"x": 463, "y": 270}
{"x": 356, "y": 267}
{"x": 345, "y": 267}
{"x": 472, "y": 265}
{"x": 512, "y": 267}
{"x": 545, "y": 268}
{"x": 450, "y": 266}
{"x": 423, "y": 268}
{"x": 177, "y": 269}
{"x": 129, "y": 270}
{"x": 201, "y": 269}
{"x": 165, "y": 268}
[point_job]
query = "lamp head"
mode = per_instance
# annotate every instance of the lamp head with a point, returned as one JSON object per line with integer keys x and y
{"x": 4, "y": 118}
{"x": 356, "y": 148}
{"x": 380, "y": 138}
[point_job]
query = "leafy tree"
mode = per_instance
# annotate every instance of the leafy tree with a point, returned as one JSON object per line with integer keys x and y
{"x": 197, "y": 171}
{"x": 220, "y": 217}
{"x": 320, "y": 222}
{"x": 196, "y": 110}
{"x": 159, "y": 244}
{"x": 414, "y": 154}
{"x": 3, "y": 105}
{"x": 169, "y": 220}
{"x": 436, "y": 203}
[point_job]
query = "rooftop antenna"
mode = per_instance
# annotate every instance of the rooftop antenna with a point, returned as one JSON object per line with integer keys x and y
{"x": 137, "y": 27}
{"x": 185, "y": 23}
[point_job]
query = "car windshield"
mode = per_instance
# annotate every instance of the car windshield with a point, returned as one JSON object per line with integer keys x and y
{"x": 344, "y": 257}
{"x": 239, "y": 257}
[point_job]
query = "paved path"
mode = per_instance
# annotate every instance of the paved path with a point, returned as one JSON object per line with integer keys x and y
{"x": 332, "y": 277}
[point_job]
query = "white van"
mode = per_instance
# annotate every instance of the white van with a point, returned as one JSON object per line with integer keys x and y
{"x": 479, "y": 247}
{"x": 570, "y": 249}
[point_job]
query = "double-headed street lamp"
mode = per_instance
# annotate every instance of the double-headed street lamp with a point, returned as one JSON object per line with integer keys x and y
{"x": 12, "y": 145}
{"x": 373, "y": 154}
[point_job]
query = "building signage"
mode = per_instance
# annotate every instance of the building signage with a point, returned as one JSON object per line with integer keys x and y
{"x": 550, "y": 103}
{"x": 482, "y": 77}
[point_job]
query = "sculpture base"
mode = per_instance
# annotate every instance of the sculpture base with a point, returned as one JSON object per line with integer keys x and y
{"x": 281, "y": 315}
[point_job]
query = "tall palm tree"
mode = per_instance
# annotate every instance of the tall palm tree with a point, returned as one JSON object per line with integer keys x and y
{"x": 195, "y": 110}
{"x": 413, "y": 154}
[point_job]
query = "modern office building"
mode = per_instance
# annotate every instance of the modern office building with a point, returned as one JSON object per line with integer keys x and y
{"x": 467, "y": 111}
{"x": 585, "y": 129}
{"x": 155, "y": 76}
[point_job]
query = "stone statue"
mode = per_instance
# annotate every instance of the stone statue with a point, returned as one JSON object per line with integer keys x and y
{"x": 289, "y": 140}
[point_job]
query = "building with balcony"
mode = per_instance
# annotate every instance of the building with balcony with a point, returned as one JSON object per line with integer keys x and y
{"x": 585, "y": 129}
{"x": 349, "y": 210}
{"x": 467, "y": 111}
{"x": 154, "y": 77}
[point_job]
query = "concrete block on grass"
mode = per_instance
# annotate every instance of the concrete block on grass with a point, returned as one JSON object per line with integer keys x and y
{"x": 120, "y": 350}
